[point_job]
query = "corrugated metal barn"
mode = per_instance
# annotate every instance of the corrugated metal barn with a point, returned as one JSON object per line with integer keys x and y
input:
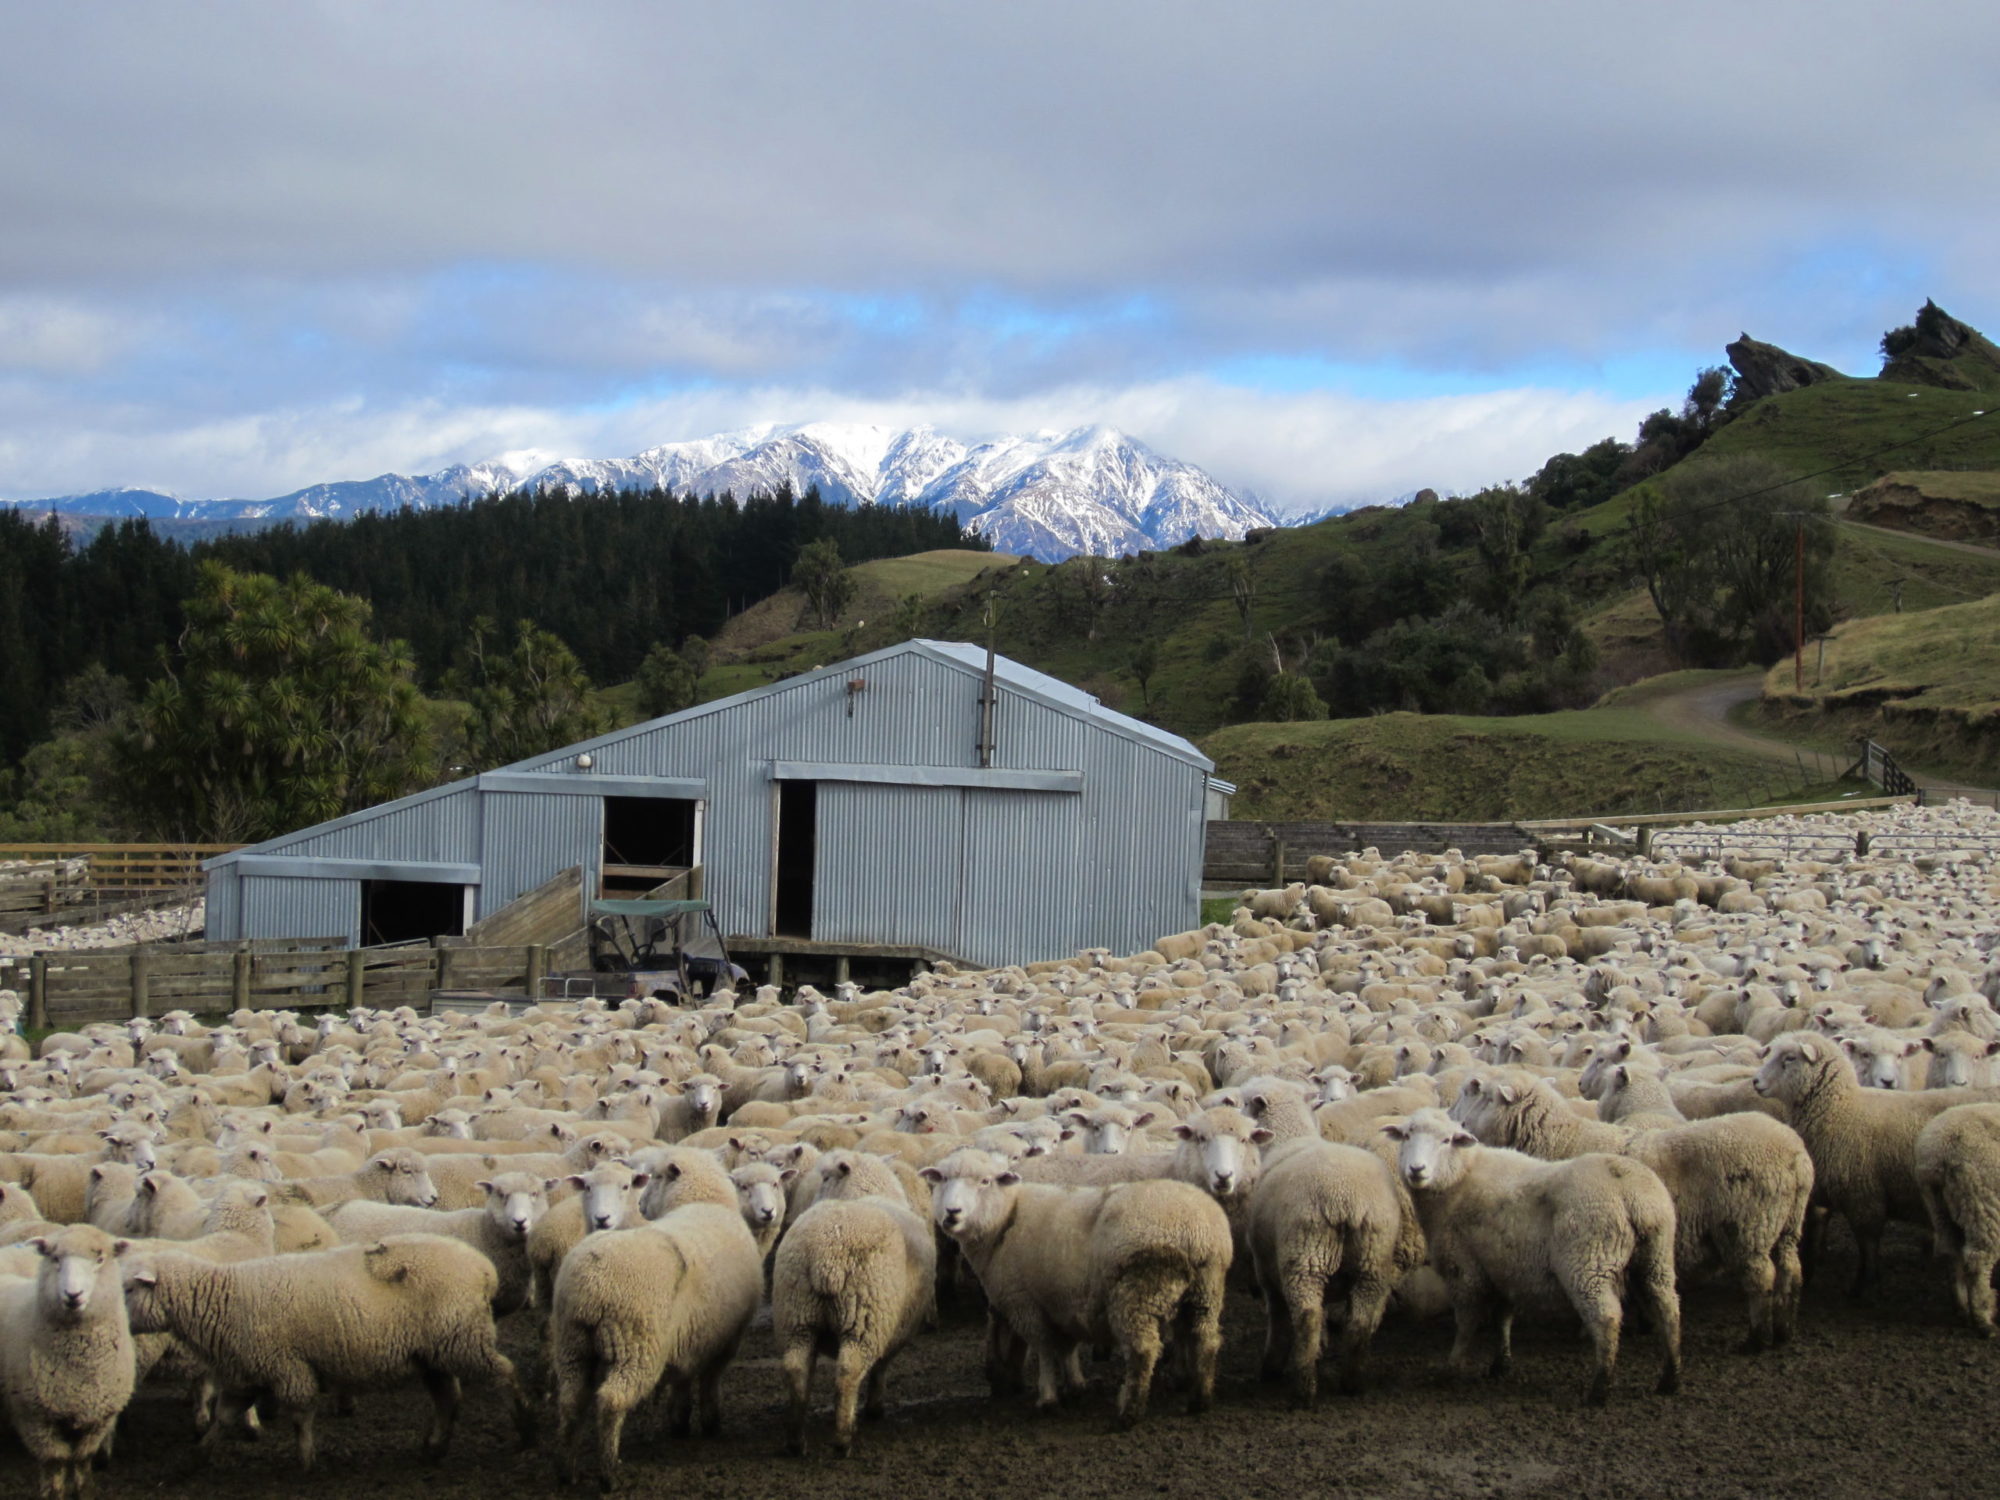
{"x": 875, "y": 802}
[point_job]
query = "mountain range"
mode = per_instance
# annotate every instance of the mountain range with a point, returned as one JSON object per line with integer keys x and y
{"x": 1049, "y": 495}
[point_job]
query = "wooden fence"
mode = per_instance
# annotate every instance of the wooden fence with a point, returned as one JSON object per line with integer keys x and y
{"x": 1245, "y": 853}
{"x": 126, "y": 869}
{"x": 69, "y": 989}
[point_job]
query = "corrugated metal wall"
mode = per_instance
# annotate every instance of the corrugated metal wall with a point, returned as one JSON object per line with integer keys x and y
{"x": 994, "y": 876}
{"x": 223, "y": 910}
{"x": 528, "y": 837}
{"x": 1021, "y": 866}
{"x": 292, "y": 906}
{"x": 886, "y": 864}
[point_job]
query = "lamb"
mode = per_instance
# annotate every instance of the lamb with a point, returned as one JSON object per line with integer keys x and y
{"x": 1065, "y": 1267}
{"x": 1507, "y": 1231}
{"x": 515, "y": 1202}
{"x": 760, "y": 1198}
{"x": 66, "y": 1357}
{"x": 1740, "y": 1183}
{"x": 607, "y": 1197}
{"x": 1958, "y": 1175}
{"x": 360, "y": 1317}
{"x": 636, "y": 1308}
{"x": 398, "y": 1175}
{"x": 1863, "y": 1141}
{"x": 1323, "y": 1214}
{"x": 853, "y": 1279}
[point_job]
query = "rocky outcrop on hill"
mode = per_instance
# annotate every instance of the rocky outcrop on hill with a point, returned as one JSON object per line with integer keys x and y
{"x": 1939, "y": 350}
{"x": 1962, "y": 507}
{"x": 1766, "y": 370}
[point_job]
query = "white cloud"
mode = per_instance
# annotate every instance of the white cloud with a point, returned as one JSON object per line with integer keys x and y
{"x": 1297, "y": 450}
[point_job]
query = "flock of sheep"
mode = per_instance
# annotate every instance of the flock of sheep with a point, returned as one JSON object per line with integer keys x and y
{"x": 1409, "y": 1087}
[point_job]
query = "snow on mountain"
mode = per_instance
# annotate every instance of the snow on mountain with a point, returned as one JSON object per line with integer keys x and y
{"x": 1050, "y": 494}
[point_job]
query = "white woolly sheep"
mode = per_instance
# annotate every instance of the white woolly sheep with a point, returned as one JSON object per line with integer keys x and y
{"x": 515, "y": 1203}
{"x": 1508, "y": 1232}
{"x": 1958, "y": 1175}
{"x": 1740, "y": 1183}
{"x": 1063, "y": 1267}
{"x": 854, "y": 1279}
{"x": 634, "y": 1309}
{"x": 66, "y": 1357}
{"x": 1323, "y": 1216}
{"x": 1863, "y": 1141}
{"x": 358, "y": 1318}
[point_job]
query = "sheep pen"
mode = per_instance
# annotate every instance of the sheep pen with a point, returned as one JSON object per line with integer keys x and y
{"x": 1890, "y": 1383}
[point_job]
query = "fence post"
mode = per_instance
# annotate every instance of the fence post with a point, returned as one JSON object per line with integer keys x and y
{"x": 38, "y": 991}
{"x": 239, "y": 979}
{"x": 355, "y": 978}
{"x": 442, "y": 964}
{"x": 141, "y": 982}
{"x": 1277, "y": 864}
{"x": 538, "y": 968}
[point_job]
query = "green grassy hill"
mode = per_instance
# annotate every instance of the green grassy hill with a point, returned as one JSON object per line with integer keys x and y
{"x": 1926, "y": 684}
{"x": 1454, "y": 769}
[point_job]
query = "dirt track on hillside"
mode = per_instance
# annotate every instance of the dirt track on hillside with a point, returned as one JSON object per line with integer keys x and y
{"x": 1889, "y": 1396}
{"x": 1706, "y": 707}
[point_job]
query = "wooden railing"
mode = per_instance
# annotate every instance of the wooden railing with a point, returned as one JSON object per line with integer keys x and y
{"x": 70, "y": 989}
{"x": 125, "y": 868}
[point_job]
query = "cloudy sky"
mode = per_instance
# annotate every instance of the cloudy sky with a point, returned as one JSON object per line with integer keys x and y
{"x": 1331, "y": 251}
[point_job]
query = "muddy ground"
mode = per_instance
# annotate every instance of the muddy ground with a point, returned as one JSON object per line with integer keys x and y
{"x": 1887, "y": 1397}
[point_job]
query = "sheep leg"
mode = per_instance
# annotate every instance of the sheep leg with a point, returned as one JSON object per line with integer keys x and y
{"x": 1470, "y": 1315}
{"x": 1503, "y": 1352}
{"x": 1790, "y": 1281}
{"x": 1367, "y": 1301}
{"x": 1004, "y": 1351}
{"x": 1304, "y": 1301}
{"x": 1868, "y": 1257}
{"x": 303, "y": 1417}
{"x": 1975, "y": 1287}
{"x": 572, "y": 1396}
{"x": 850, "y": 1370}
{"x": 445, "y": 1393}
{"x": 708, "y": 1395}
{"x": 1048, "y": 1365}
{"x": 1603, "y": 1318}
{"x": 611, "y": 1413}
{"x": 1201, "y": 1325}
{"x": 1279, "y": 1335}
{"x": 680, "y": 1408}
{"x": 872, "y": 1408}
{"x": 1758, "y": 1277}
{"x": 1140, "y": 1342}
{"x": 800, "y": 1356}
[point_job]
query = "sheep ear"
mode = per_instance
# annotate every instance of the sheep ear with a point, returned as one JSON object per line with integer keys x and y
{"x": 1396, "y": 1131}
{"x": 1184, "y": 1132}
{"x": 786, "y": 1174}
{"x": 383, "y": 1164}
{"x": 929, "y": 1174}
{"x": 640, "y": 1179}
{"x": 1007, "y": 1179}
{"x": 1261, "y": 1136}
{"x": 42, "y": 1245}
{"x": 1508, "y": 1093}
{"x": 574, "y": 1180}
{"x": 119, "y": 1247}
{"x": 142, "y": 1276}
{"x": 1461, "y": 1138}
{"x": 1141, "y": 1121}
{"x": 483, "y": 1185}
{"x": 845, "y": 1169}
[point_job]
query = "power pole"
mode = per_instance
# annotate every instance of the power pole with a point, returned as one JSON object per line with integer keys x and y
{"x": 1799, "y": 619}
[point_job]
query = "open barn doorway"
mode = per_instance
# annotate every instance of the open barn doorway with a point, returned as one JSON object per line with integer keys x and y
{"x": 410, "y": 911}
{"x": 798, "y": 829}
{"x": 648, "y": 840}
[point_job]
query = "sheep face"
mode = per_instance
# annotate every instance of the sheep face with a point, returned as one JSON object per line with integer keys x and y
{"x": 703, "y": 1093}
{"x": 405, "y": 1178}
{"x": 1219, "y": 1145}
{"x": 1433, "y": 1151}
{"x": 73, "y": 1263}
{"x": 760, "y": 1194}
{"x": 972, "y": 1194}
{"x": 515, "y": 1202}
{"x": 610, "y": 1194}
{"x": 130, "y": 1145}
{"x": 1794, "y": 1066}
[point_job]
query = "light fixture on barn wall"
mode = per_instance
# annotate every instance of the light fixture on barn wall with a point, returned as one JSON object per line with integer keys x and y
{"x": 584, "y": 762}
{"x": 855, "y": 685}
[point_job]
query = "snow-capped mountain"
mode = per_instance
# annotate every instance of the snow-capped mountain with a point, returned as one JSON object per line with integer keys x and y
{"x": 1050, "y": 495}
